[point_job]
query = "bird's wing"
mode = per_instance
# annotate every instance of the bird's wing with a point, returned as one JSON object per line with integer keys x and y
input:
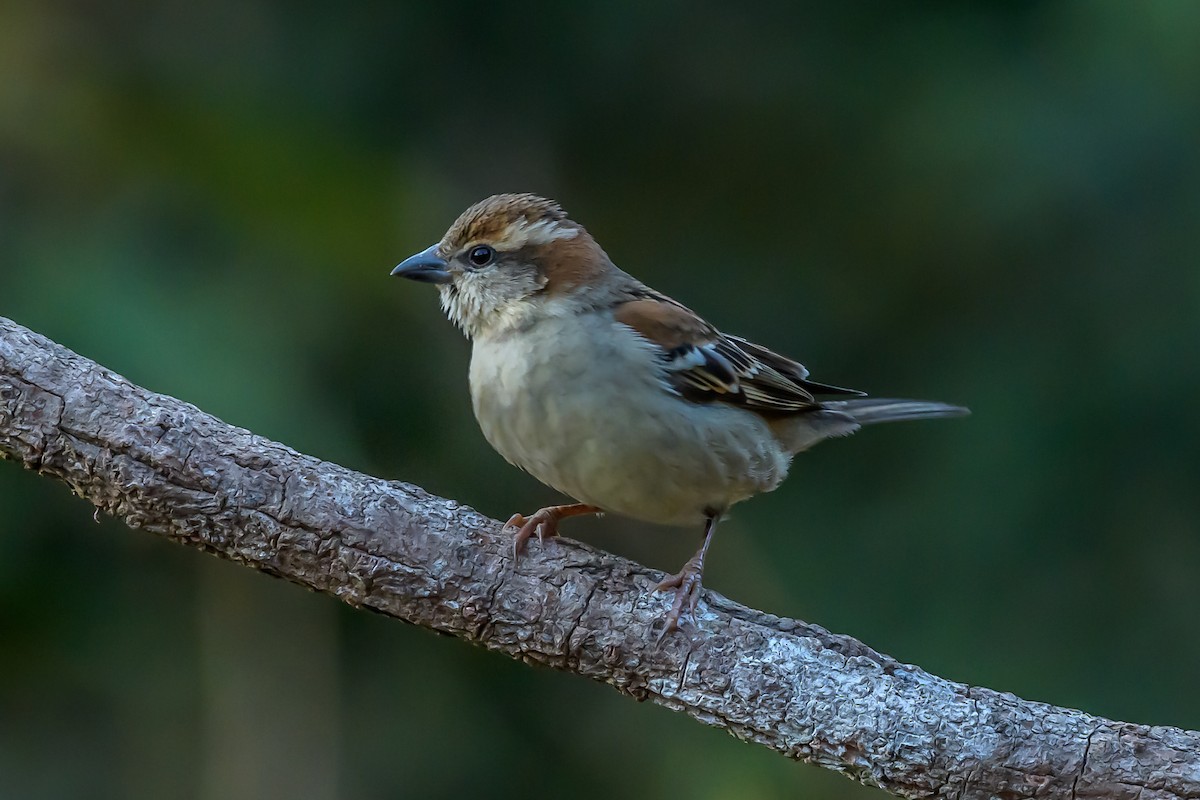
{"x": 705, "y": 365}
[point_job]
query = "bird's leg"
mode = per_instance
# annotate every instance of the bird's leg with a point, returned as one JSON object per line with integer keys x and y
{"x": 687, "y": 582}
{"x": 543, "y": 523}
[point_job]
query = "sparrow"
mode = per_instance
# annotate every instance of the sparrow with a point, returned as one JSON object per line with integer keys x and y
{"x": 616, "y": 395}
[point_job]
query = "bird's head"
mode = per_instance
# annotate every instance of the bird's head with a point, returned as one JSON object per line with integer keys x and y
{"x": 505, "y": 259}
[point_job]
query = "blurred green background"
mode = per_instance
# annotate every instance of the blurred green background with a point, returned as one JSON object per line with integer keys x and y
{"x": 995, "y": 204}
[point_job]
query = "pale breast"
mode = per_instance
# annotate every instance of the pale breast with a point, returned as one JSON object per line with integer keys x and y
{"x": 579, "y": 402}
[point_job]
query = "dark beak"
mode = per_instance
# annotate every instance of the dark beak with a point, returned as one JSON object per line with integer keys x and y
{"x": 425, "y": 267}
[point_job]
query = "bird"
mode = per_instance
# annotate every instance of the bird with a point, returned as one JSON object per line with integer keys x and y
{"x": 616, "y": 395}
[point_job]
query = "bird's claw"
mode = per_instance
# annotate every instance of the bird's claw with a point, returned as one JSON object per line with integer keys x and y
{"x": 687, "y": 596}
{"x": 542, "y": 523}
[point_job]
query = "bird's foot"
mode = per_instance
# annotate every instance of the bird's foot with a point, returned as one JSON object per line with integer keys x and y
{"x": 687, "y": 595}
{"x": 543, "y": 523}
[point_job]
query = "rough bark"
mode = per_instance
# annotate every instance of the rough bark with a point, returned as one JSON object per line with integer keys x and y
{"x": 164, "y": 466}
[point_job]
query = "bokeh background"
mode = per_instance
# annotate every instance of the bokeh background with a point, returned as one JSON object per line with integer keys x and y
{"x": 996, "y": 204}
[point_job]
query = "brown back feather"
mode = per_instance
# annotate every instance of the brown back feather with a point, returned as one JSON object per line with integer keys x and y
{"x": 704, "y": 365}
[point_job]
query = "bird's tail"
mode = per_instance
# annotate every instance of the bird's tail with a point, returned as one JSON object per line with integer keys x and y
{"x": 870, "y": 410}
{"x": 843, "y": 417}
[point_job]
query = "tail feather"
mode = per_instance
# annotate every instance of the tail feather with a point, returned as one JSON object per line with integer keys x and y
{"x": 870, "y": 410}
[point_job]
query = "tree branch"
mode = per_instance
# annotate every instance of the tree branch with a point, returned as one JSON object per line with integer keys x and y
{"x": 167, "y": 467}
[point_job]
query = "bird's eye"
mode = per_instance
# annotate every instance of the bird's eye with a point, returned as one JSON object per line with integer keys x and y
{"x": 481, "y": 255}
